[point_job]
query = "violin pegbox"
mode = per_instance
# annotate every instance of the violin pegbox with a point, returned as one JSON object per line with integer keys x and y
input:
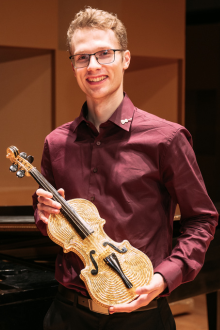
{"x": 21, "y": 163}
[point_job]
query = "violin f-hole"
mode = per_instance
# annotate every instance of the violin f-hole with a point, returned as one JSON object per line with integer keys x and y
{"x": 93, "y": 271}
{"x": 123, "y": 250}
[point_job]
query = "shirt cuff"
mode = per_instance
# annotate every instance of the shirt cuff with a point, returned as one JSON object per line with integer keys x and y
{"x": 172, "y": 274}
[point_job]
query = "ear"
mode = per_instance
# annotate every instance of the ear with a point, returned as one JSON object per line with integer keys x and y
{"x": 74, "y": 71}
{"x": 127, "y": 59}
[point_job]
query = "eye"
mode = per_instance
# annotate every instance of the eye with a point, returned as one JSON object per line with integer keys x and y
{"x": 81, "y": 58}
{"x": 105, "y": 53}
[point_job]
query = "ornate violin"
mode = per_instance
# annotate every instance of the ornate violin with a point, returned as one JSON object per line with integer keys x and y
{"x": 112, "y": 270}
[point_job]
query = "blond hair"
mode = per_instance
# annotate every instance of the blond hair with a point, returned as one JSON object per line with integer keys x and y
{"x": 98, "y": 19}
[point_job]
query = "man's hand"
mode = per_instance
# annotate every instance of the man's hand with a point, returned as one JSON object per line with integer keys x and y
{"x": 146, "y": 294}
{"x": 46, "y": 205}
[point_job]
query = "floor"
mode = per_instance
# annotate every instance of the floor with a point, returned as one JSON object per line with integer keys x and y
{"x": 196, "y": 319}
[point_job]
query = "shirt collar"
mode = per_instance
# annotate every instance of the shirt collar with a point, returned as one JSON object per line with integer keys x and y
{"x": 122, "y": 116}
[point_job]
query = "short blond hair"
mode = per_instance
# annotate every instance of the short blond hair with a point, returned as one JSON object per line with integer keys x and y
{"x": 98, "y": 19}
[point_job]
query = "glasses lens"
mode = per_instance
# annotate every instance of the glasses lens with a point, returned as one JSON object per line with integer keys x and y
{"x": 105, "y": 56}
{"x": 80, "y": 61}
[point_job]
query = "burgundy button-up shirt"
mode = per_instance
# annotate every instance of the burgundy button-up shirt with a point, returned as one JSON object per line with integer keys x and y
{"x": 135, "y": 170}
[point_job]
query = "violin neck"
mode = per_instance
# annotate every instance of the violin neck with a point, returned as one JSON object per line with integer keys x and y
{"x": 71, "y": 215}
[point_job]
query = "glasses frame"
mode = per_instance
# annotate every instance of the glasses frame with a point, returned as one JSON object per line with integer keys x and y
{"x": 79, "y": 67}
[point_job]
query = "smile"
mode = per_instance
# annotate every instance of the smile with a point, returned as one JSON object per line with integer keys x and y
{"x": 97, "y": 79}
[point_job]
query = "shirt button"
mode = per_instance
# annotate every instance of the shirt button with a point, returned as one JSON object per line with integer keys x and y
{"x": 95, "y": 170}
{"x": 92, "y": 198}
{"x": 98, "y": 143}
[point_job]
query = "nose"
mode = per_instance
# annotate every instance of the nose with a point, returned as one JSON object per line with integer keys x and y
{"x": 93, "y": 63}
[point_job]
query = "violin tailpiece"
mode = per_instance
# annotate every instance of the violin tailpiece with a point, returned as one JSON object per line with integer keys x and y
{"x": 113, "y": 262}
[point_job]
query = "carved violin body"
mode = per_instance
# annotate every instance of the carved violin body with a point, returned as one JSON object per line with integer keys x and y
{"x": 112, "y": 270}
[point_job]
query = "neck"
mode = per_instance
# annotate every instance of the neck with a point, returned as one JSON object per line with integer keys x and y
{"x": 101, "y": 109}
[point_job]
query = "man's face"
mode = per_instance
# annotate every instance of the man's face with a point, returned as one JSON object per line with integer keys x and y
{"x": 99, "y": 81}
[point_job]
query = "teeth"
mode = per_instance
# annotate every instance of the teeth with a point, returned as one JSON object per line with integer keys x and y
{"x": 97, "y": 79}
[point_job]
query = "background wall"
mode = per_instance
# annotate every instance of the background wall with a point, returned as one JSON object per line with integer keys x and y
{"x": 38, "y": 88}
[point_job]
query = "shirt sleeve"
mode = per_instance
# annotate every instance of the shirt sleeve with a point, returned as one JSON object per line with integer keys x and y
{"x": 183, "y": 180}
{"x": 46, "y": 171}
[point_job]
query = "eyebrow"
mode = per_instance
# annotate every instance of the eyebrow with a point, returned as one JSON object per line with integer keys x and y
{"x": 85, "y": 52}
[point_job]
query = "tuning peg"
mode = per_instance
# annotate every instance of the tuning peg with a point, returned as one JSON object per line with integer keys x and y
{"x": 30, "y": 159}
{"x": 20, "y": 174}
{"x": 13, "y": 168}
{"x": 23, "y": 155}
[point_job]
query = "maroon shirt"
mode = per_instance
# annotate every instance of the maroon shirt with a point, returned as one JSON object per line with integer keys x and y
{"x": 135, "y": 172}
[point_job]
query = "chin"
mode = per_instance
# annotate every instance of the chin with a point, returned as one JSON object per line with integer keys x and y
{"x": 99, "y": 94}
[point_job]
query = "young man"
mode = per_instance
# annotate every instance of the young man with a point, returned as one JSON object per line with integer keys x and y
{"x": 134, "y": 167}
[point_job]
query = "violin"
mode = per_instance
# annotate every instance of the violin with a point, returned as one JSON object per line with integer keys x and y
{"x": 112, "y": 270}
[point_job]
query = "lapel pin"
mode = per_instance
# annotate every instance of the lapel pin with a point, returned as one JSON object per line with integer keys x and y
{"x": 123, "y": 121}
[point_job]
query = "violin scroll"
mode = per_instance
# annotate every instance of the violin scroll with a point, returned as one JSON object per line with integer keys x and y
{"x": 21, "y": 162}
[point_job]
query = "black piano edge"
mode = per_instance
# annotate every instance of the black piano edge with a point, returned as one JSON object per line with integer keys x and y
{"x": 26, "y": 263}
{"x": 21, "y": 210}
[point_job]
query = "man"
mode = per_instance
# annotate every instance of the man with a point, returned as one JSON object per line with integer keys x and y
{"x": 135, "y": 167}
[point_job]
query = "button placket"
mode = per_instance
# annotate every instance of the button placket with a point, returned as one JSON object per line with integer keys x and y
{"x": 94, "y": 170}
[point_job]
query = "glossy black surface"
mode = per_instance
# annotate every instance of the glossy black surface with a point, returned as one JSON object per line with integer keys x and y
{"x": 25, "y": 296}
{"x": 19, "y": 282}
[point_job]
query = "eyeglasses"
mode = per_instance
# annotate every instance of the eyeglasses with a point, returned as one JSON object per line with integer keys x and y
{"x": 106, "y": 56}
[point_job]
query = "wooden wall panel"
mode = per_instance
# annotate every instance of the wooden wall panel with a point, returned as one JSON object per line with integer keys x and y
{"x": 155, "y": 28}
{"x": 25, "y": 23}
{"x": 69, "y": 8}
{"x": 155, "y": 90}
{"x": 69, "y": 97}
{"x": 25, "y": 117}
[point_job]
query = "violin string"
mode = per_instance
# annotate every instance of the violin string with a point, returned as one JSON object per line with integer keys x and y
{"x": 42, "y": 181}
{"x": 83, "y": 229}
{"x": 65, "y": 207}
